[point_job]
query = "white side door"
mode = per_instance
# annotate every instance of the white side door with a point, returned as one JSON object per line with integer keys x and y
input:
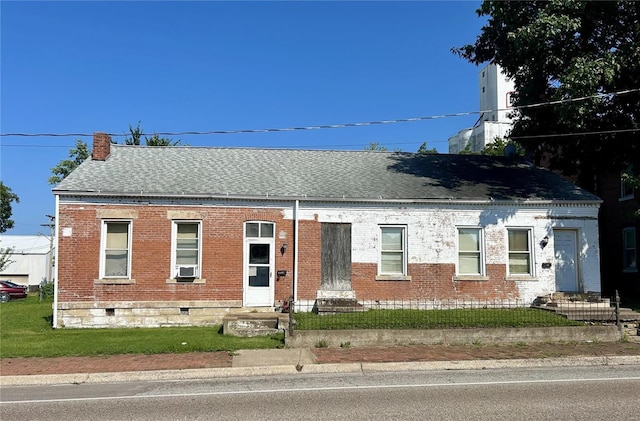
{"x": 566, "y": 260}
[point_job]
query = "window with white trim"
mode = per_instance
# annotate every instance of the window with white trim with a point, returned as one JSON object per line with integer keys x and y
{"x": 186, "y": 250}
{"x": 470, "y": 251}
{"x": 520, "y": 258}
{"x": 629, "y": 250}
{"x": 115, "y": 249}
{"x": 393, "y": 253}
{"x": 259, "y": 229}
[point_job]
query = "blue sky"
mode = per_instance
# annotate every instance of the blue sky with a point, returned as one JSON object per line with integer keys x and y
{"x": 81, "y": 67}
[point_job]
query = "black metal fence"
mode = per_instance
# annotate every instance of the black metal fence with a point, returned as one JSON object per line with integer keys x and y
{"x": 437, "y": 314}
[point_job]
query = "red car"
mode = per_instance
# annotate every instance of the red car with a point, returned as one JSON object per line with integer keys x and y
{"x": 9, "y": 291}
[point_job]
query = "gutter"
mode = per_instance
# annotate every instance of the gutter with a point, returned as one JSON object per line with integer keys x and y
{"x": 343, "y": 199}
{"x": 296, "y": 210}
{"x": 55, "y": 281}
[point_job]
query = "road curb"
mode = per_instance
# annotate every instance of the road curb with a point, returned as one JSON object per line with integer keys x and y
{"x": 226, "y": 372}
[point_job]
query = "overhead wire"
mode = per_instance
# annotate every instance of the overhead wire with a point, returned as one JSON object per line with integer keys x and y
{"x": 359, "y": 124}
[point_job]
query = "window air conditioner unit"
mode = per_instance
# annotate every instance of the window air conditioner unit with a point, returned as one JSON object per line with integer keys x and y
{"x": 186, "y": 271}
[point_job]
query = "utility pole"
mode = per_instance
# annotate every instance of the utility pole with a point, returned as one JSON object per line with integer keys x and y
{"x": 51, "y": 226}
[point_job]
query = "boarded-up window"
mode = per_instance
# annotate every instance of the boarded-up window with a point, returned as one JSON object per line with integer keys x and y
{"x": 336, "y": 256}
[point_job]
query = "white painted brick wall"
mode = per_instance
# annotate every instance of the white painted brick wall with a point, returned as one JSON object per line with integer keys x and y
{"x": 432, "y": 235}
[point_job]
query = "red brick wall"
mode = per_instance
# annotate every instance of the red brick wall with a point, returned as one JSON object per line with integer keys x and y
{"x": 309, "y": 264}
{"x": 222, "y": 255}
{"x": 432, "y": 281}
{"x": 615, "y": 215}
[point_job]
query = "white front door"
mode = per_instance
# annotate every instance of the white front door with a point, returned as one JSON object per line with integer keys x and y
{"x": 566, "y": 260}
{"x": 259, "y": 256}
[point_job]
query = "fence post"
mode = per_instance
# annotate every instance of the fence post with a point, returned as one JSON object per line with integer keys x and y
{"x": 618, "y": 312}
{"x": 291, "y": 321}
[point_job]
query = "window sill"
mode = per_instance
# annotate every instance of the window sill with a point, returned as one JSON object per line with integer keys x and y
{"x": 630, "y": 270}
{"x": 626, "y": 198}
{"x": 187, "y": 281}
{"x": 114, "y": 281}
{"x": 521, "y": 278}
{"x": 393, "y": 278}
{"x": 471, "y": 278}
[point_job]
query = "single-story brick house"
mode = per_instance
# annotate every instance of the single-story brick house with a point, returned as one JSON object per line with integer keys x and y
{"x": 155, "y": 236}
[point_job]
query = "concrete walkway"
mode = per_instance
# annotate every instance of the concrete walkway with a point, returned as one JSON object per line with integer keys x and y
{"x": 203, "y": 365}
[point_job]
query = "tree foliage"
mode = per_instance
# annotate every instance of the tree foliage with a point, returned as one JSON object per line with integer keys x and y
{"x": 424, "y": 150}
{"x": 81, "y": 152}
{"x": 136, "y": 134}
{"x": 563, "y": 50}
{"x": 7, "y": 198}
{"x": 502, "y": 147}
{"x": 76, "y": 156}
{"x": 5, "y": 257}
{"x": 375, "y": 146}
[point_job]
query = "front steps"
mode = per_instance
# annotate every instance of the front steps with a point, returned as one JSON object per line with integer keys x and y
{"x": 254, "y": 324}
{"x": 588, "y": 307}
{"x": 336, "y": 301}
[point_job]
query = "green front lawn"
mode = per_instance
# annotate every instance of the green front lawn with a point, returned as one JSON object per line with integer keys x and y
{"x": 25, "y": 331}
{"x": 434, "y": 319}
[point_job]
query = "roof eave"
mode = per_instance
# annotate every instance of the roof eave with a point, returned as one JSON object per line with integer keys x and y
{"x": 282, "y": 198}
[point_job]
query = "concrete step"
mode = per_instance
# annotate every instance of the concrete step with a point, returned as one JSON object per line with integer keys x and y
{"x": 594, "y": 314}
{"x": 337, "y": 305}
{"x": 254, "y": 324}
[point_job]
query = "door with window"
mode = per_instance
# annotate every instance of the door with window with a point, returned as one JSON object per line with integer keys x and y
{"x": 566, "y": 260}
{"x": 259, "y": 256}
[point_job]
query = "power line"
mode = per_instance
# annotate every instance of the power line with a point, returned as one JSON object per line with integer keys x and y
{"x": 575, "y": 134}
{"x": 270, "y": 130}
{"x": 336, "y": 126}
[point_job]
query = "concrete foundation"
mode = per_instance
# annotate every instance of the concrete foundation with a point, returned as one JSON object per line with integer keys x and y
{"x": 386, "y": 337}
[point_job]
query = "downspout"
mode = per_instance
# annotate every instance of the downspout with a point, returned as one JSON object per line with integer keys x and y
{"x": 55, "y": 279}
{"x": 296, "y": 209}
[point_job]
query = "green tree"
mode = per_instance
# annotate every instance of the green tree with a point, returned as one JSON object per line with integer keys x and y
{"x": 375, "y": 146}
{"x": 499, "y": 145}
{"x": 7, "y": 198}
{"x": 76, "y": 156}
{"x": 136, "y": 134}
{"x": 423, "y": 150}
{"x": 5, "y": 257}
{"x": 560, "y": 51}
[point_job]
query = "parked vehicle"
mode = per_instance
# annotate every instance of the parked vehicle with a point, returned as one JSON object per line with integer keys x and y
{"x": 10, "y": 291}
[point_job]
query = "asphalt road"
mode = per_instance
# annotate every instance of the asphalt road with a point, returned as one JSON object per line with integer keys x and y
{"x": 576, "y": 393}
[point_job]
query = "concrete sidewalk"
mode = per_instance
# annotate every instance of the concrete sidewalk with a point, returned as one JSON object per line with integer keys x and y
{"x": 203, "y": 365}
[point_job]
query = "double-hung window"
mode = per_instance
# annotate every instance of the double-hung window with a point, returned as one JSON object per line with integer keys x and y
{"x": 186, "y": 249}
{"x": 520, "y": 259}
{"x": 115, "y": 253}
{"x": 470, "y": 251}
{"x": 629, "y": 250}
{"x": 393, "y": 250}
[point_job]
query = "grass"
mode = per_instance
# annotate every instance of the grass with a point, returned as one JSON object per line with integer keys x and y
{"x": 25, "y": 331}
{"x": 433, "y": 319}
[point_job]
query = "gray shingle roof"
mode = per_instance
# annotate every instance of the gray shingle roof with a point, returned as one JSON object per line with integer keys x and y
{"x": 197, "y": 171}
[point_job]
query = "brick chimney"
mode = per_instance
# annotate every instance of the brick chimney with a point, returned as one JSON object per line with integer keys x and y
{"x": 101, "y": 146}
